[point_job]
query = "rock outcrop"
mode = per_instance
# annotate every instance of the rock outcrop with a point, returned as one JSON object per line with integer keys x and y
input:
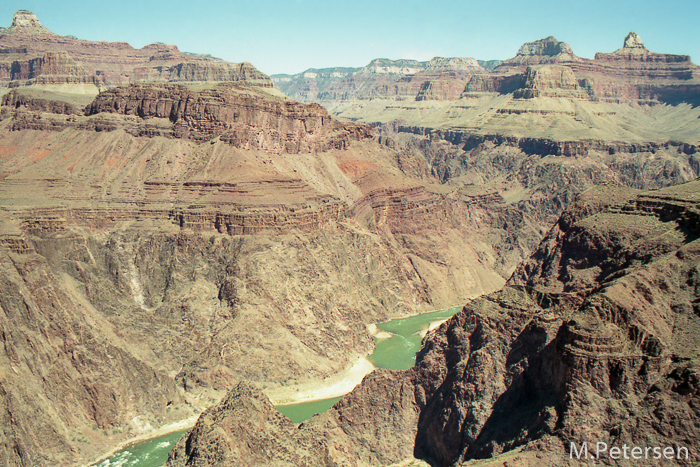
{"x": 25, "y": 22}
{"x": 550, "y": 81}
{"x": 236, "y": 114}
{"x": 633, "y": 41}
{"x": 540, "y": 52}
{"x": 631, "y": 74}
{"x": 656, "y": 77}
{"x": 188, "y": 240}
{"x": 187, "y": 237}
{"x": 14, "y": 99}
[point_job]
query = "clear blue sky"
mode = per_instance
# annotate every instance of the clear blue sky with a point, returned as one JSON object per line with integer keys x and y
{"x": 289, "y": 36}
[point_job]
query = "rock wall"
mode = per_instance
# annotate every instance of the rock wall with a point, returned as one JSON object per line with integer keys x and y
{"x": 550, "y": 81}
{"x": 630, "y": 74}
{"x": 437, "y": 79}
{"x": 239, "y": 116}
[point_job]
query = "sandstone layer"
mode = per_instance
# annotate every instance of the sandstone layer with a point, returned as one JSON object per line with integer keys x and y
{"x": 437, "y": 79}
{"x": 631, "y": 74}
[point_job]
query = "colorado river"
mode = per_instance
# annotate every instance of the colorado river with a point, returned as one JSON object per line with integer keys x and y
{"x": 150, "y": 453}
{"x": 397, "y": 342}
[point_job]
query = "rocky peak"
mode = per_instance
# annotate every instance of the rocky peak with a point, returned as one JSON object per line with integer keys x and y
{"x": 26, "y": 22}
{"x": 540, "y": 52}
{"x": 548, "y": 46}
{"x": 633, "y": 41}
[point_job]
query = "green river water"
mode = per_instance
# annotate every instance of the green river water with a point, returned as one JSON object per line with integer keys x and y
{"x": 397, "y": 352}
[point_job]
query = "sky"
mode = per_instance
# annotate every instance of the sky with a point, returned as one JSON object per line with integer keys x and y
{"x": 290, "y": 36}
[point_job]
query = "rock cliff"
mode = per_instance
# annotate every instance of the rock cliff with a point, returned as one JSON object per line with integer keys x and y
{"x": 379, "y": 94}
{"x": 550, "y": 81}
{"x": 540, "y": 52}
{"x": 236, "y": 114}
{"x": 190, "y": 236}
{"x": 630, "y": 74}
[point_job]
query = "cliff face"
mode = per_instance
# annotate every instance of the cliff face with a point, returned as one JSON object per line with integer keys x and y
{"x": 241, "y": 116}
{"x": 188, "y": 237}
{"x": 593, "y": 340}
{"x": 550, "y": 81}
{"x": 630, "y": 74}
{"x": 541, "y": 52}
{"x": 31, "y": 55}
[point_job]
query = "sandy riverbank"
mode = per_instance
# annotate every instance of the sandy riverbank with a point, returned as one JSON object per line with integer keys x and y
{"x": 335, "y": 385}
{"x": 162, "y": 431}
{"x": 338, "y": 384}
{"x": 432, "y": 326}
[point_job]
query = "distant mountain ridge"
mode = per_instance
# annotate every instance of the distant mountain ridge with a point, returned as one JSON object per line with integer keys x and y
{"x": 382, "y": 77}
{"x": 632, "y": 73}
{"x": 31, "y": 55}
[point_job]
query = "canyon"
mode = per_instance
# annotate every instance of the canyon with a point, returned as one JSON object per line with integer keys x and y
{"x": 594, "y": 339}
{"x": 179, "y": 236}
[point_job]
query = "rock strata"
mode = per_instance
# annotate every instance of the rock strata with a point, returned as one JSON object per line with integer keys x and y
{"x": 34, "y": 56}
{"x": 18, "y": 100}
{"x": 547, "y": 50}
{"x": 550, "y": 81}
{"x": 437, "y": 79}
{"x": 154, "y": 230}
{"x": 26, "y": 22}
{"x": 632, "y": 74}
{"x": 583, "y": 345}
{"x": 237, "y": 114}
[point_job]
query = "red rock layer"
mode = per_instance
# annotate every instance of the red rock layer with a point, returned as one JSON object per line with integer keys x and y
{"x": 240, "y": 116}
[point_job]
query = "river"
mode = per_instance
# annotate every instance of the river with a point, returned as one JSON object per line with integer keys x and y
{"x": 397, "y": 342}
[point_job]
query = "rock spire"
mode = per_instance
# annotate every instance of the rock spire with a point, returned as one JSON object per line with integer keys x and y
{"x": 633, "y": 41}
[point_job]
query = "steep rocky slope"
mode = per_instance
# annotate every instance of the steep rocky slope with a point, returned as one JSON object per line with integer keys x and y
{"x": 594, "y": 339}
